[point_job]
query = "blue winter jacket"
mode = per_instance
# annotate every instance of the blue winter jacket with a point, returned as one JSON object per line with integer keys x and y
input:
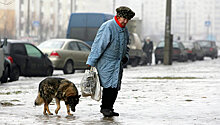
{"x": 108, "y": 50}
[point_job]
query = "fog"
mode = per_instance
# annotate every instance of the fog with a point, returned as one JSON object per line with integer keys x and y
{"x": 191, "y": 19}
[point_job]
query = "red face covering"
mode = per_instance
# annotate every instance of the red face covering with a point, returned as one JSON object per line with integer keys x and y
{"x": 118, "y": 22}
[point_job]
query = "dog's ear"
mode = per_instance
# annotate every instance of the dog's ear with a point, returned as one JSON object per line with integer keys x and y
{"x": 79, "y": 96}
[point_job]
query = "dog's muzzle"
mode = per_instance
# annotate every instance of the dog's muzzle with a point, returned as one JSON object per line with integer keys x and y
{"x": 73, "y": 109}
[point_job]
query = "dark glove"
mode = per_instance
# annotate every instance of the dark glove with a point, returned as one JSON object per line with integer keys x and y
{"x": 124, "y": 60}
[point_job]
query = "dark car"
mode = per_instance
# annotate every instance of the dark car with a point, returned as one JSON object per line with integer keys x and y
{"x": 27, "y": 60}
{"x": 194, "y": 51}
{"x": 209, "y": 47}
{"x": 178, "y": 54}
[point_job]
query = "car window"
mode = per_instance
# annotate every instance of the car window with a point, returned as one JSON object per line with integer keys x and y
{"x": 73, "y": 46}
{"x": 196, "y": 46}
{"x": 131, "y": 40}
{"x": 205, "y": 43}
{"x": 181, "y": 46}
{"x": 18, "y": 49}
{"x": 51, "y": 44}
{"x": 32, "y": 51}
{"x": 213, "y": 44}
{"x": 161, "y": 44}
{"x": 188, "y": 45}
{"x": 175, "y": 44}
{"x": 83, "y": 47}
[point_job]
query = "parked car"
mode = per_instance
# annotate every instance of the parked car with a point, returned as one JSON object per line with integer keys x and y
{"x": 178, "y": 54}
{"x": 27, "y": 60}
{"x": 136, "y": 53}
{"x": 66, "y": 54}
{"x": 209, "y": 47}
{"x": 194, "y": 51}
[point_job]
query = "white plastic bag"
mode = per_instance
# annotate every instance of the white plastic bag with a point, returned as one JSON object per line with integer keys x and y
{"x": 90, "y": 84}
{"x": 97, "y": 91}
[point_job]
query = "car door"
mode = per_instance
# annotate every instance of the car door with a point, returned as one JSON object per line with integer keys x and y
{"x": 75, "y": 54}
{"x": 197, "y": 49}
{"x": 35, "y": 61}
{"x": 84, "y": 51}
{"x": 19, "y": 55}
{"x": 183, "y": 52}
{"x": 214, "y": 49}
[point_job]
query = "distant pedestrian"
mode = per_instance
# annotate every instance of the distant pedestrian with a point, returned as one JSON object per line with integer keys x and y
{"x": 108, "y": 54}
{"x": 148, "y": 49}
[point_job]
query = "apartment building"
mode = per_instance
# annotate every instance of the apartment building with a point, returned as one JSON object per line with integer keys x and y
{"x": 7, "y": 18}
{"x": 44, "y": 19}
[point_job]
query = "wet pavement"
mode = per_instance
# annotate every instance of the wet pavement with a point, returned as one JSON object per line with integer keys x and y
{"x": 181, "y": 94}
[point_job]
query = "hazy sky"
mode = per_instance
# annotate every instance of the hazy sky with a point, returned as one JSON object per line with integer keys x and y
{"x": 106, "y": 6}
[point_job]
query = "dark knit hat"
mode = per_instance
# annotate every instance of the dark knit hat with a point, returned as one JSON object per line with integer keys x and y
{"x": 125, "y": 12}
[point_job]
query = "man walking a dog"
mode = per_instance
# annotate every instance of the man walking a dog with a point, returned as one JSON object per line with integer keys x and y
{"x": 108, "y": 54}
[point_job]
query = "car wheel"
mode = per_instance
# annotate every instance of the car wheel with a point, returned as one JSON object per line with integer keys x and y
{"x": 202, "y": 58}
{"x": 193, "y": 58}
{"x": 5, "y": 75}
{"x": 68, "y": 68}
{"x": 135, "y": 62}
{"x": 186, "y": 59}
{"x": 49, "y": 71}
{"x": 180, "y": 59}
{"x": 14, "y": 76}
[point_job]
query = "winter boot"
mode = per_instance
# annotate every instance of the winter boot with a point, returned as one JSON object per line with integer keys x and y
{"x": 107, "y": 112}
{"x": 114, "y": 113}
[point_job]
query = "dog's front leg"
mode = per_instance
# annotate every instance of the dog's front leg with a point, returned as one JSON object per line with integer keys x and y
{"x": 68, "y": 109}
{"x": 47, "y": 108}
{"x": 58, "y": 105}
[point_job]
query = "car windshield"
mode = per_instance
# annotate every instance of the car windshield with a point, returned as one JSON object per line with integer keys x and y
{"x": 205, "y": 43}
{"x": 51, "y": 44}
{"x": 161, "y": 45}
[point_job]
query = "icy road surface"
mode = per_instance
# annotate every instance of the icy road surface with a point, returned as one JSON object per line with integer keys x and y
{"x": 181, "y": 94}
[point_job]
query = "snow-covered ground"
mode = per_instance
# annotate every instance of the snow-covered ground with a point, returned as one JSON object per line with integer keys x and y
{"x": 180, "y": 94}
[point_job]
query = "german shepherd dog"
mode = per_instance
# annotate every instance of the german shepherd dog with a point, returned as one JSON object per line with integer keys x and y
{"x": 60, "y": 89}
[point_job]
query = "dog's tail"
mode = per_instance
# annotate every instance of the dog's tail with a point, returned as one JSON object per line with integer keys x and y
{"x": 39, "y": 100}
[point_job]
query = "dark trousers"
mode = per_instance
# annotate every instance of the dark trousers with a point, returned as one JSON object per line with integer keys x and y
{"x": 109, "y": 96}
{"x": 149, "y": 57}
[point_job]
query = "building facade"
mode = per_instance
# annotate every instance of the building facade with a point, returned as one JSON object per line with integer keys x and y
{"x": 45, "y": 19}
{"x": 191, "y": 19}
{"x": 7, "y": 19}
{"x": 41, "y": 20}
